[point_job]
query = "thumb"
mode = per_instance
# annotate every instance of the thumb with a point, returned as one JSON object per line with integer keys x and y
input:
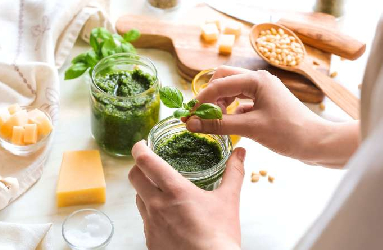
{"x": 228, "y": 125}
{"x": 233, "y": 176}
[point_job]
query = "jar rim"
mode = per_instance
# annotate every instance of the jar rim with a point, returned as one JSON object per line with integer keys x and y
{"x": 196, "y": 174}
{"x": 129, "y": 56}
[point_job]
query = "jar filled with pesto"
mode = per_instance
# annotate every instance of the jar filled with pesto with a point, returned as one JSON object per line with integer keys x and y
{"x": 125, "y": 101}
{"x": 201, "y": 158}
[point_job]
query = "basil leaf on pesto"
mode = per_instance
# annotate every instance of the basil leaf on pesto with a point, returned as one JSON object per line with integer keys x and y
{"x": 131, "y": 35}
{"x": 75, "y": 70}
{"x": 103, "y": 44}
{"x": 171, "y": 97}
{"x": 208, "y": 111}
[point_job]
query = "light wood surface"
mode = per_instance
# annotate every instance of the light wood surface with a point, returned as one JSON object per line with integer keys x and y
{"x": 336, "y": 92}
{"x": 193, "y": 55}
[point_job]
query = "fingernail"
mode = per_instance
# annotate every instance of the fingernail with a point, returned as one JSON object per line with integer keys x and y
{"x": 241, "y": 152}
{"x": 194, "y": 125}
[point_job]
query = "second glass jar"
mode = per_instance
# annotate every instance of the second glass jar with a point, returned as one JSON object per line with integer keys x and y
{"x": 118, "y": 122}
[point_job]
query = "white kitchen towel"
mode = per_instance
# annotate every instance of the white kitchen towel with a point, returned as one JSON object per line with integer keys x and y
{"x": 25, "y": 236}
{"x": 37, "y": 36}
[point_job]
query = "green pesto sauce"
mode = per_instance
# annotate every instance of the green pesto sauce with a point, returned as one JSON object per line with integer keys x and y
{"x": 118, "y": 123}
{"x": 188, "y": 152}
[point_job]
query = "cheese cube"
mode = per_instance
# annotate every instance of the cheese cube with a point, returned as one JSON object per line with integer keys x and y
{"x": 18, "y": 135}
{"x": 19, "y": 118}
{"x": 214, "y": 21}
{"x": 210, "y": 32}
{"x": 226, "y": 43}
{"x": 4, "y": 116}
{"x": 81, "y": 179}
{"x": 233, "y": 28}
{"x": 30, "y": 133}
{"x": 44, "y": 124}
{"x": 14, "y": 108}
{"x": 35, "y": 113}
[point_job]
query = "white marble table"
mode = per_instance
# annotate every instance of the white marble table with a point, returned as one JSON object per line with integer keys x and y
{"x": 273, "y": 216}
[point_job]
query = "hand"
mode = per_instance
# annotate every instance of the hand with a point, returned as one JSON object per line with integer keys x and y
{"x": 179, "y": 215}
{"x": 274, "y": 118}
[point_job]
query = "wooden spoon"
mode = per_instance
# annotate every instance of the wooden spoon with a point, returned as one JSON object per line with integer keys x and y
{"x": 336, "y": 92}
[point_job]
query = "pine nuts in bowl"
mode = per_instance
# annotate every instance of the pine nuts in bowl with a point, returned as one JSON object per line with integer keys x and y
{"x": 277, "y": 45}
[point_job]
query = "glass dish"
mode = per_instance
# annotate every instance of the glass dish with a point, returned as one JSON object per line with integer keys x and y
{"x": 25, "y": 150}
{"x": 87, "y": 229}
{"x": 208, "y": 179}
{"x": 164, "y": 5}
{"x": 117, "y": 123}
{"x": 200, "y": 81}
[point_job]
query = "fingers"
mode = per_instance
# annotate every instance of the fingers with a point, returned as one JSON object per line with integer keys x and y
{"x": 244, "y": 108}
{"x": 233, "y": 176}
{"x": 224, "y": 71}
{"x": 141, "y": 207}
{"x": 143, "y": 185}
{"x": 235, "y": 124}
{"x": 242, "y": 86}
{"x": 155, "y": 168}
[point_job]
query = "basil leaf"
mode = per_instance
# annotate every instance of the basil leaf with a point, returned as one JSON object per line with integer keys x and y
{"x": 191, "y": 104}
{"x": 171, "y": 97}
{"x": 97, "y": 37}
{"x": 131, "y": 35}
{"x": 75, "y": 70}
{"x": 91, "y": 58}
{"x": 118, "y": 38}
{"x": 127, "y": 47}
{"x": 108, "y": 48}
{"x": 181, "y": 113}
{"x": 209, "y": 111}
{"x": 79, "y": 58}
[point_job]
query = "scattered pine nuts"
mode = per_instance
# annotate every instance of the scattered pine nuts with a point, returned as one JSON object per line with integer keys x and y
{"x": 322, "y": 107}
{"x": 263, "y": 172}
{"x": 270, "y": 179}
{"x": 315, "y": 62}
{"x": 334, "y": 74}
{"x": 255, "y": 178}
{"x": 280, "y": 48}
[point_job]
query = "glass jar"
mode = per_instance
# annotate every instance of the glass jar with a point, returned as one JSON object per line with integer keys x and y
{"x": 200, "y": 81}
{"x": 117, "y": 123}
{"x": 332, "y": 7}
{"x": 208, "y": 179}
{"x": 164, "y": 4}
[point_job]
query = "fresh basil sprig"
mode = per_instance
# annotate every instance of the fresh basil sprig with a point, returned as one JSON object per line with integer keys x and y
{"x": 172, "y": 98}
{"x": 103, "y": 44}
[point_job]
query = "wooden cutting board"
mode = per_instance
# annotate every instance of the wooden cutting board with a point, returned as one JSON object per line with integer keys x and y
{"x": 182, "y": 39}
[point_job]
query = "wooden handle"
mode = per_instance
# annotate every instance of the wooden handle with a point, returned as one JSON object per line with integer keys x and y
{"x": 329, "y": 40}
{"x": 336, "y": 92}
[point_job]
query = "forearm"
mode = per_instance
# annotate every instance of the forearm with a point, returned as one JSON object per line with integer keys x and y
{"x": 331, "y": 144}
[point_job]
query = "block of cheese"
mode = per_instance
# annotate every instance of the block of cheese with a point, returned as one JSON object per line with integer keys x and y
{"x": 81, "y": 180}
{"x": 14, "y": 108}
{"x": 226, "y": 43}
{"x": 19, "y": 118}
{"x": 210, "y": 32}
{"x": 233, "y": 28}
{"x": 4, "y": 116}
{"x": 44, "y": 125}
{"x": 18, "y": 135}
{"x": 214, "y": 21}
{"x": 30, "y": 133}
